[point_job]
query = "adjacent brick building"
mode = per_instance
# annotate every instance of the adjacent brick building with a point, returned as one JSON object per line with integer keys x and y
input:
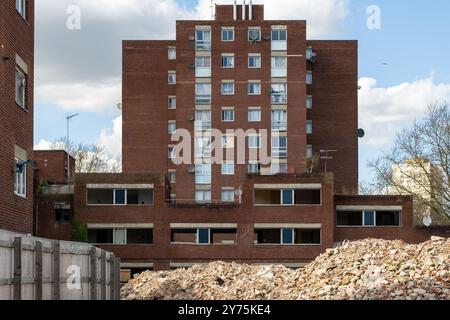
{"x": 16, "y": 114}
{"x": 238, "y": 71}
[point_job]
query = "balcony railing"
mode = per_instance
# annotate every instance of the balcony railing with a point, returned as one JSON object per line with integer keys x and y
{"x": 202, "y": 152}
{"x": 203, "y": 45}
{"x": 196, "y": 203}
{"x": 279, "y": 98}
{"x": 203, "y": 99}
{"x": 279, "y": 125}
{"x": 280, "y": 153}
{"x": 202, "y": 125}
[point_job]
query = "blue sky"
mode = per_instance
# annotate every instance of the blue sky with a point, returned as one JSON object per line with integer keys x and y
{"x": 412, "y": 41}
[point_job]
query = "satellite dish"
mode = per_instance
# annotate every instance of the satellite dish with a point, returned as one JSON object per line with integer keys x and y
{"x": 238, "y": 192}
{"x": 427, "y": 221}
{"x": 119, "y": 106}
{"x": 361, "y": 133}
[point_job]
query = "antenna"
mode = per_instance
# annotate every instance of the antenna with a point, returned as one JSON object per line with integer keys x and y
{"x": 326, "y": 157}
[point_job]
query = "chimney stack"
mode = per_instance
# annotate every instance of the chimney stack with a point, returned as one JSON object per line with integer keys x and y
{"x": 244, "y": 3}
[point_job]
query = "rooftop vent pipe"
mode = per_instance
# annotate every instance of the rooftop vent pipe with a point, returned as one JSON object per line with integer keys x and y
{"x": 244, "y": 3}
{"x": 235, "y": 10}
{"x": 250, "y": 10}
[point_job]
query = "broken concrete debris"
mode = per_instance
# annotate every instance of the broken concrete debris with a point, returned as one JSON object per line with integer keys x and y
{"x": 368, "y": 269}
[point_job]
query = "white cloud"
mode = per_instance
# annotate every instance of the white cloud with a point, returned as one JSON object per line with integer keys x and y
{"x": 44, "y": 145}
{"x": 77, "y": 69}
{"x": 385, "y": 111}
{"x": 111, "y": 138}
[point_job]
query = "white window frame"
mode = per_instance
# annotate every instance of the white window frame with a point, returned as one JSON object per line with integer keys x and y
{"x": 276, "y": 149}
{"x": 230, "y": 195}
{"x": 309, "y": 127}
{"x": 172, "y": 78}
{"x": 20, "y": 180}
{"x": 171, "y": 53}
{"x": 254, "y": 141}
{"x": 203, "y": 45}
{"x": 230, "y": 58}
{"x": 256, "y": 56}
{"x": 172, "y": 176}
{"x": 227, "y": 141}
{"x": 21, "y": 88}
{"x": 254, "y": 163}
{"x": 203, "y": 171}
{"x": 227, "y": 168}
{"x": 226, "y": 110}
{"x": 227, "y": 83}
{"x": 203, "y": 62}
{"x": 253, "y": 29}
{"x": 171, "y": 152}
{"x": 279, "y": 93}
{"x": 227, "y": 30}
{"x": 21, "y": 7}
{"x": 309, "y": 77}
{"x": 254, "y": 109}
{"x": 169, "y": 104}
{"x": 282, "y": 237}
{"x": 205, "y": 195}
{"x": 171, "y": 127}
{"x": 254, "y": 84}
{"x": 309, "y": 151}
{"x": 198, "y": 237}
{"x": 309, "y": 102}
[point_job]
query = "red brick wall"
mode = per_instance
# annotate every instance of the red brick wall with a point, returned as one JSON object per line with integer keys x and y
{"x": 335, "y": 110}
{"x": 16, "y": 124}
{"x": 52, "y": 166}
{"x": 47, "y": 226}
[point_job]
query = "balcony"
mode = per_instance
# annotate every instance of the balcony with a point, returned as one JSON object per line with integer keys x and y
{"x": 201, "y": 72}
{"x": 203, "y": 45}
{"x": 202, "y": 152}
{"x": 279, "y": 45}
{"x": 212, "y": 204}
{"x": 279, "y": 98}
{"x": 279, "y": 72}
{"x": 279, "y": 153}
{"x": 279, "y": 125}
{"x": 202, "y": 125}
{"x": 202, "y": 99}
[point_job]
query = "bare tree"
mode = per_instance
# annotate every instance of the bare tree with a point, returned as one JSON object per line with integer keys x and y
{"x": 418, "y": 164}
{"x": 89, "y": 158}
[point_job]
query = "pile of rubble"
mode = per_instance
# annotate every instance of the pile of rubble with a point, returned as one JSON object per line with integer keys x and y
{"x": 367, "y": 269}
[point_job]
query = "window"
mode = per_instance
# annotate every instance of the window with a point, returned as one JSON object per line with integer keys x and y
{"x": 203, "y": 40}
{"x": 203, "y": 62}
{"x": 203, "y": 195}
{"x": 309, "y": 52}
{"x": 279, "y": 39}
{"x": 279, "y": 147}
{"x": 203, "y": 236}
{"x": 227, "y": 88}
{"x": 254, "y": 34}
{"x": 309, "y": 102}
{"x": 171, "y": 153}
{"x": 20, "y": 88}
{"x": 203, "y": 93}
{"x": 21, "y": 7}
{"x": 254, "y": 61}
{"x": 20, "y": 180}
{"x": 203, "y": 173}
{"x": 279, "y": 35}
{"x": 309, "y": 77}
{"x": 228, "y": 61}
{"x": 254, "y": 141}
{"x": 279, "y": 67}
{"x": 202, "y": 67}
{"x": 62, "y": 212}
{"x": 307, "y": 236}
{"x": 228, "y": 114}
{"x": 277, "y": 168}
{"x": 172, "y": 127}
{"x": 227, "y": 141}
{"x": 254, "y": 88}
{"x": 202, "y": 147}
{"x": 287, "y": 236}
{"x": 227, "y": 195}
{"x": 279, "y": 93}
{"x": 227, "y": 34}
{"x": 172, "y": 102}
{"x": 202, "y": 120}
{"x": 172, "y": 53}
{"x": 268, "y": 236}
{"x": 119, "y": 196}
{"x": 309, "y": 151}
{"x": 287, "y": 197}
{"x": 100, "y": 236}
{"x": 227, "y": 168}
{"x": 368, "y": 218}
{"x": 172, "y": 77}
{"x": 309, "y": 127}
{"x": 254, "y": 114}
{"x": 254, "y": 168}
{"x": 172, "y": 176}
{"x": 279, "y": 120}
{"x": 139, "y": 236}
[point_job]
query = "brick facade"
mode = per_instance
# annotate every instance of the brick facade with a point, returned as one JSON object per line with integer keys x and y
{"x": 16, "y": 123}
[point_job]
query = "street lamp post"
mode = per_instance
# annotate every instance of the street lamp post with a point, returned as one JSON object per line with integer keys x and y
{"x": 68, "y": 118}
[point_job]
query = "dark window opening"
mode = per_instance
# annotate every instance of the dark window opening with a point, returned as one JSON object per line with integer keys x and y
{"x": 101, "y": 236}
{"x": 388, "y": 218}
{"x": 223, "y": 236}
{"x": 267, "y": 197}
{"x": 100, "y": 196}
{"x": 63, "y": 215}
{"x": 349, "y": 218}
{"x": 183, "y": 235}
{"x": 140, "y": 197}
{"x": 268, "y": 236}
{"x": 139, "y": 236}
{"x": 307, "y": 197}
{"x": 307, "y": 236}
